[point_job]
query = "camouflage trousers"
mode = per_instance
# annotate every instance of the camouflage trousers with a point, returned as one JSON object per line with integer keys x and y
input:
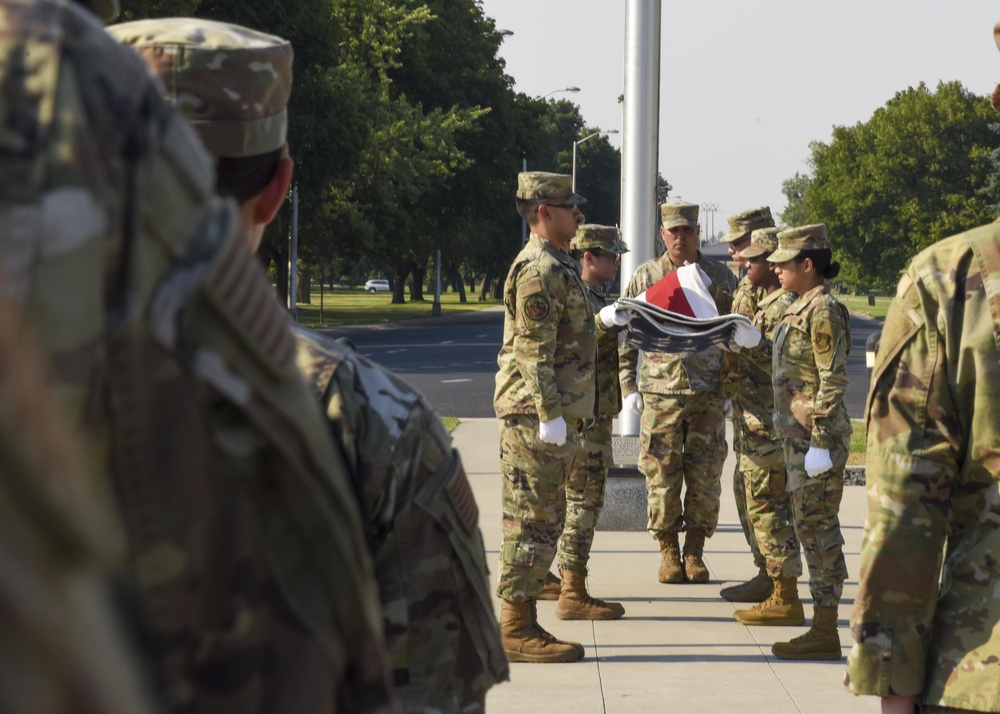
{"x": 682, "y": 442}
{"x": 740, "y": 486}
{"x": 816, "y": 512}
{"x": 769, "y": 511}
{"x": 533, "y": 501}
{"x": 585, "y": 494}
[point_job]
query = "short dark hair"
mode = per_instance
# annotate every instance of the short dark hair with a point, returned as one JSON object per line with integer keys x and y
{"x": 244, "y": 177}
{"x": 528, "y": 209}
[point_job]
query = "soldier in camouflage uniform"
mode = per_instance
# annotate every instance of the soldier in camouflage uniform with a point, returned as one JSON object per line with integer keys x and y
{"x": 682, "y": 432}
{"x": 809, "y": 373}
{"x": 598, "y": 249}
{"x": 61, "y": 644}
{"x": 544, "y": 390}
{"x": 745, "y": 301}
{"x": 421, "y": 519}
{"x": 762, "y": 459}
{"x": 925, "y": 619}
{"x": 246, "y": 579}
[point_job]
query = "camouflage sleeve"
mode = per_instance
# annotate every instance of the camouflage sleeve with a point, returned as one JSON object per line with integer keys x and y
{"x": 628, "y": 353}
{"x": 830, "y": 346}
{"x": 539, "y": 301}
{"x": 910, "y": 473}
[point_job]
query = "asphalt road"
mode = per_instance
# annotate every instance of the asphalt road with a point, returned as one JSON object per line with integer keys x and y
{"x": 452, "y": 359}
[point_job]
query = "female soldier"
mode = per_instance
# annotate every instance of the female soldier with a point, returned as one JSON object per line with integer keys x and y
{"x": 810, "y": 378}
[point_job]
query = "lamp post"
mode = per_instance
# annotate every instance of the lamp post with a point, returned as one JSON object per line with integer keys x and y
{"x": 580, "y": 141}
{"x": 573, "y": 90}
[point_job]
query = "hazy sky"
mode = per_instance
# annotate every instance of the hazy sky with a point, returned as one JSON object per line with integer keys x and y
{"x": 745, "y": 86}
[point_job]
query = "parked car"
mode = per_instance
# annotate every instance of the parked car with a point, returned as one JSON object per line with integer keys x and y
{"x": 377, "y": 286}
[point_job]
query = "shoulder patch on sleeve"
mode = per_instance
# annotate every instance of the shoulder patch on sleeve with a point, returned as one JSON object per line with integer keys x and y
{"x": 822, "y": 342}
{"x": 536, "y": 307}
{"x": 529, "y": 287}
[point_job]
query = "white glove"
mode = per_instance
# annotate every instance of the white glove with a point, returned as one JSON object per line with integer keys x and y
{"x": 553, "y": 432}
{"x": 818, "y": 461}
{"x": 633, "y": 402}
{"x": 727, "y": 409}
{"x": 746, "y": 335}
{"x": 611, "y": 316}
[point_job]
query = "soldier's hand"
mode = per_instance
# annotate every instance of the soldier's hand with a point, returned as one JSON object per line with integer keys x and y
{"x": 633, "y": 402}
{"x": 611, "y": 316}
{"x": 553, "y": 432}
{"x": 818, "y": 461}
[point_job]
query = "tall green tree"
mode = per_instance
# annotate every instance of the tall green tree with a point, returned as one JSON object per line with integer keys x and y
{"x": 795, "y": 188}
{"x": 912, "y": 174}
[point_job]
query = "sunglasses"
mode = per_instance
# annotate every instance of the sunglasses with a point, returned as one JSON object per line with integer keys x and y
{"x": 598, "y": 253}
{"x": 567, "y": 206}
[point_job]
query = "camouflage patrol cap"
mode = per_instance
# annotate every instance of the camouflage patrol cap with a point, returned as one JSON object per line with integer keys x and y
{"x": 590, "y": 236}
{"x": 545, "y": 186}
{"x": 231, "y": 82}
{"x": 762, "y": 240}
{"x": 679, "y": 214}
{"x": 741, "y": 224}
{"x": 793, "y": 241}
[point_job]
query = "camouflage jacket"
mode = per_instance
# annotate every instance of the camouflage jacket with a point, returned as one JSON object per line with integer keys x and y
{"x": 926, "y": 614}
{"x": 547, "y": 360}
{"x": 753, "y": 405}
{"x": 62, "y": 646}
{"x": 745, "y": 301}
{"x": 609, "y": 394}
{"x": 664, "y": 373}
{"x": 809, "y": 369}
{"x": 422, "y": 525}
{"x": 247, "y": 578}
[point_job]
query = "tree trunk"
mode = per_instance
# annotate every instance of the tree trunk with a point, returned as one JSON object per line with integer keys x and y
{"x": 400, "y": 271}
{"x": 484, "y": 287}
{"x": 417, "y": 284}
{"x": 459, "y": 287}
{"x": 303, "y": 285}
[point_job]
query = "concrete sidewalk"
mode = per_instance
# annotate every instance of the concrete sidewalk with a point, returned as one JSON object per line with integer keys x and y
{"x": 678, "y": 647}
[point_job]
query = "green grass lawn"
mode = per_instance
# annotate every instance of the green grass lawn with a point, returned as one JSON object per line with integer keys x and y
{"x": 856, "y": 454}
{"x": 354, "y": 306}
{"x": 859, "y": 304}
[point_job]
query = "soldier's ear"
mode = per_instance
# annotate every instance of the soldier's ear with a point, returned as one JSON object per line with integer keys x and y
{"x": 270, "y": 199}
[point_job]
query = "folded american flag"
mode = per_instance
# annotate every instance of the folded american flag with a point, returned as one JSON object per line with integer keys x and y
{"x": 678, "y": 314}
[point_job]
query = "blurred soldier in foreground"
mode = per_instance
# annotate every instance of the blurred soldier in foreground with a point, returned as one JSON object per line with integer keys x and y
{"x": 544, "y": 389}
{"x": 926, "y": 616}
{"x": 769, "y": 508}
{"x": 747, "y": 430}
{"x": 682, "y": 431}
{"x": 598, "y": 250}
{"x": 421, "y": 519}
{"x": 809, "y": 374}
{"x": 247, "y": 579}
{"x": 60, "y": 643}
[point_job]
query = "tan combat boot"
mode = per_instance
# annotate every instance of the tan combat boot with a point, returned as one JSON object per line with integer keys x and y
{"x": 821, "y": 642}
{"x": 756, "y": 589}
{"x": 671, "y": 570}
{"x": 576, "y": 604}
{"x": 694, "y": 566}
{"x": 782, "y": 608}
{"x": 524, "y": 640}
{"x": 551, "y": 588}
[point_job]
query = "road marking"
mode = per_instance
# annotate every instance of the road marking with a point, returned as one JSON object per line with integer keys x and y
{"x": 447, "y": 342}
{"x": 453, "y": 381}
{"x": 485, "y": 334}
{"x": 392, "y": 352}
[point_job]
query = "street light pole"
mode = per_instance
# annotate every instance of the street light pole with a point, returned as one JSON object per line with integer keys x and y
{"x": 580, "y": 141}
{"x": 573, "y": 90}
